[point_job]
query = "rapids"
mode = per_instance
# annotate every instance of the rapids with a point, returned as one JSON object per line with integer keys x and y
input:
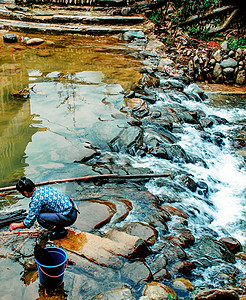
{"x": 78, "y": 93}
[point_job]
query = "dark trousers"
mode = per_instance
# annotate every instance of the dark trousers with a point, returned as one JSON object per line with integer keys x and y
{"x": 49, "y": 219}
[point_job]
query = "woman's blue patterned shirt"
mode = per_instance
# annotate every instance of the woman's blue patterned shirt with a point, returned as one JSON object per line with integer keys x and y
{"x": 46, "y": 199}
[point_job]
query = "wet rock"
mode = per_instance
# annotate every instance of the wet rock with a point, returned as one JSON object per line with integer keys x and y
{"x": 155, "y": 290}
{"x": 188, "y": 117}
{"x": 218, "y": 120}
{"x": 172, "y": 252}
{"x": 216, "y": 252}
{"x": 155, "y": 114}
{"x": 149, "y": 81}
{"x": 183, "y": 267}
{"x": 10, "y": 38}
{"x": 164, "y": 121}
{"x": 159, "y": 152}
{"x": 186, "y": 236}
{"x": 144, "y": 231}
{"x": 217, "y": 139}
{"x": 202, "y": 188}
{"x": 140, "y": 111}
{"x": 218, "y": 295}
{"x": 176, "y": 241}
{"x": 238, "y": 143}
{"x": 133, "y": 102}
{"x": 177, "y": 154}
{"x": 137, "y": 248}
{"x": 128, "y": 140}
{"x": 183, "y": 284}
{"x": 156, "y": 138}
{"x": 187, "y": 181}
{"x": 174, "y": 211}
{"x": 94, "y": 214}
{"x": 149, "y": 98}
{"x": 123, "y": 208}
{"x": 161, "y": 275}
{"x": 34, "y": 41}
{"x": 131, "y": 34}
{"x": 108, "y": 251}
{"x": 87, "y": 153}
{"x": 91, "y": 269}
{"x": 157, "y": 220}
{"x": 158, "y": 263}
{"x": 206, "y": 122}
{"x": 233, "y": 244}
{"x": 118, "y": 293}
{"x": 136, "y": 272}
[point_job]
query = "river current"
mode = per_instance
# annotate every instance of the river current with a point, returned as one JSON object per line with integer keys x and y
{"x": 76, "y": 97}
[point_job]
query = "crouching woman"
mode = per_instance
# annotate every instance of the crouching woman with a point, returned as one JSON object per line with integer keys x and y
{"x": 53, "y": 210}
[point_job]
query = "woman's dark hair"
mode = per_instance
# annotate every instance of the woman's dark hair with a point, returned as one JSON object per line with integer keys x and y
{"x": 25, "y": 184}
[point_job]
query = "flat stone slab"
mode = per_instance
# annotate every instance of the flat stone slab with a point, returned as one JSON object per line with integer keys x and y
{"x": 33, "y": 27}
{"x": 94, "y": 214}
{"x": 101, "y": 250}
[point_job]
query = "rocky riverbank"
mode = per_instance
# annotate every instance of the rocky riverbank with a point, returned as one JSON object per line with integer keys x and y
{"x": 128, "y": 242}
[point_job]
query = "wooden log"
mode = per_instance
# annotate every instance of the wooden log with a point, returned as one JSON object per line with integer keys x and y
{"x": 93, "y": 177}
{"x": 215, "y": 12}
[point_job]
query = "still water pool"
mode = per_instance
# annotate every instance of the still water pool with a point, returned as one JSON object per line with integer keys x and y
{"x": 77, "y": 83}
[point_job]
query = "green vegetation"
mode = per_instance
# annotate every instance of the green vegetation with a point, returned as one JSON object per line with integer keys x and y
{"x": 187, "y": 8}
{"x": 197, "y": 32}
{"x": 234, "y": 44}
{"x": 170, "y": 297}
{"x": 156, "y": 16}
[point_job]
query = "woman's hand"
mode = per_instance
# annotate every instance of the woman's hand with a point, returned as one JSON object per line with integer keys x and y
{"x": 14, "y": 226}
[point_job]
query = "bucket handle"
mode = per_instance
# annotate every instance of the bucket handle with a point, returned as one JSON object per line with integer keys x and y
{"x": 55, "y": 276}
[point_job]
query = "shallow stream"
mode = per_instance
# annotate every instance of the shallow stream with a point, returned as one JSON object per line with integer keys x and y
{"x": 77, "y": 90}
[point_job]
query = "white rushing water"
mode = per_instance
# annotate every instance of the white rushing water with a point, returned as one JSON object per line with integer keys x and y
{"x": 223, "y": 210}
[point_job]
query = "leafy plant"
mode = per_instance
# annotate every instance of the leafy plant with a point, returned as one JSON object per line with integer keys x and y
{"x": 170, "y": 297}
{"x": 197, "y": 32}
{"x": 156, "y": 16}
{"x": 234, "y": 44}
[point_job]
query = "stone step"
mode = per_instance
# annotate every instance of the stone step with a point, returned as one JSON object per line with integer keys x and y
{"x": 103, "y": 250}
{"x": 78, "y": 18}
{"x": 32, "y": 27}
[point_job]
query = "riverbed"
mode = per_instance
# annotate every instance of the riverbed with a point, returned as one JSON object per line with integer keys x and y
{"x": 77, "y": 104}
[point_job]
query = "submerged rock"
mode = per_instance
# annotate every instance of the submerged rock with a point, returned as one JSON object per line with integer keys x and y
{"x": 155, "y": 290}
{"x": 183, "y": 283}
{"x": 118, "y": 293}
{"x": 10, "y": 38}
{"x": 136, "y": 272}
{"x": 218, "y": 294}
{"x": 34, "y": 41}
{"x": 233, "y": 244}
{"x": 144, "y": 231}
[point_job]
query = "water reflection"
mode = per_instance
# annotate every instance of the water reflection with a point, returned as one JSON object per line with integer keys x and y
{"x": 76, "y": 89}
{"x": 58, "y": 293}
{"x": 16, "y": 133}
